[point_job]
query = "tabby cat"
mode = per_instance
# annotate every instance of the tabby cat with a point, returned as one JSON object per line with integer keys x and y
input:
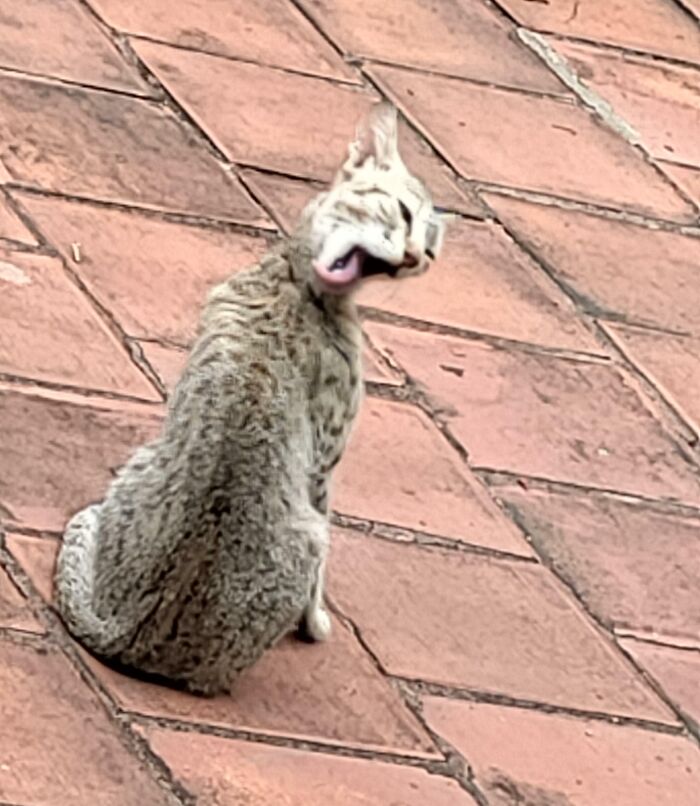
{"x": 211, "y": 542}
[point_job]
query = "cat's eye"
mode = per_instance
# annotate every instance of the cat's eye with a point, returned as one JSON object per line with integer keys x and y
{"x": 405, "y": 214}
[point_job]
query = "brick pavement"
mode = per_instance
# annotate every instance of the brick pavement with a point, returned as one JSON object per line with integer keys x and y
{"x": 515, "y": 577}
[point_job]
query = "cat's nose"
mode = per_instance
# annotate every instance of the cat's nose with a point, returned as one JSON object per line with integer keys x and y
{"x": 409, "y": 261}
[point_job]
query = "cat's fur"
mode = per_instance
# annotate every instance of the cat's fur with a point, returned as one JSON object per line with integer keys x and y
{"x": 210, "y": 544}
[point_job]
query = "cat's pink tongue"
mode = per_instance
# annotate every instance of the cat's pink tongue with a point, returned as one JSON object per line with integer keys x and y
{"x": 338, "y": 278}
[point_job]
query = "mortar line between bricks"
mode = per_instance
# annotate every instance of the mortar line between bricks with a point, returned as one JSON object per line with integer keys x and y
{"x": 694, "y": 15}
{"x": 432, "y": 765}
{"x": 457, "y": 765}
{"x": 26, "y": 219}
{"x": 692, "y": 435}
{"x": 623, "y": 50}
{"x": 690, "y": 227}
{"x": 133, "y": 208}
{"x": 422, "y": 688}
{"x": 562, "y": 97}
{"x": 666, "y": 413}
{"x": 603, "y": 112}
{"x": 603, "y": 630}
{"x": 497, "y": 478}
{"x": 190, "y": 122}
{"x": 83, "y": 391}
{"x": 70, "y": 84}
{"x": 659, "y": 641}
{"x": 499, "y": 342}
{"x": 57, "y": 638}
{"x": 390, "y": 533}
{"x": 292, "y": 71}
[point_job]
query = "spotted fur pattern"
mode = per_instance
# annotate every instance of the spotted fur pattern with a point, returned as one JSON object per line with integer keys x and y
{"x": 211, "y": 542}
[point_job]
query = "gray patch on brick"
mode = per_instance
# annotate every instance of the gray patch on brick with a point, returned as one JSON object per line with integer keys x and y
{"x": 566, "y": 73}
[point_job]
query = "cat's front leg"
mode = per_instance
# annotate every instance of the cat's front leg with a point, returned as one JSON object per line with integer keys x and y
{"x": 316, "y": 622}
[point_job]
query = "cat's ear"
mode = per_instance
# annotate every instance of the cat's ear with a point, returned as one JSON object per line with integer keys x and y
{"x": 435, "y": 233}
{"x": 376, "y": 139}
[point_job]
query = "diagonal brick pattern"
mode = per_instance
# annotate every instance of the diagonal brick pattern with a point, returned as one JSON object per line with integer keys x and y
{"x": 515, "y": 572}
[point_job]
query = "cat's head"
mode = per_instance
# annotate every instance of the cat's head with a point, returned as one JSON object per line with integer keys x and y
{"x": 376, "y": 219}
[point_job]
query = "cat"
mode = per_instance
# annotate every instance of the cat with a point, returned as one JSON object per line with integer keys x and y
{"x": 211, "y": 542}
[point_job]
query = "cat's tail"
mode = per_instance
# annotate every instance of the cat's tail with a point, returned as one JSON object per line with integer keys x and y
{"x": 75, "y": 576}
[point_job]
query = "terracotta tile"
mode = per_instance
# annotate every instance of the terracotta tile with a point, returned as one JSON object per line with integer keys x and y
{"x": 49, "y": 719}
{"x": 271, "y": 32}
{"x": 259, "y": 116}
{"x": 152, "y": 275}
{"x": 543, "y": 416}
{"x": 676, "y": 670}
{"x": 11, "y": 227}
{"x": 654, "y": 26}
{"x": 671, "y": 363}
{"x": 37, "y": 556}
{"x": 495, "y": 626}
{"x": 58, "y": 38}
{"x": 461, "y": 39}
{"x": 15, "y": 610}
{"x": 398, "y": 469}
{"x": 228, "y": 773}
{"x": 112, "y": 147}
{"x": 323, "y": 692}
{"x": 51, "y": 332}
{"x": 542, "y": 143}
{"x": 483, "y": 282}
{"x": 285, "y": 197}
{"x": 661, "y": 101}
{"x": 43, "y": 436}
{"x": 612, "y": 268}
{"x": 609, "y": 551}
{"x": 511, "y": 752}
{"x": 687, "y": 178}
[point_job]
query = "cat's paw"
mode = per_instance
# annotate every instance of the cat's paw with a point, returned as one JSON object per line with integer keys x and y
{"x": 317, "y": 624}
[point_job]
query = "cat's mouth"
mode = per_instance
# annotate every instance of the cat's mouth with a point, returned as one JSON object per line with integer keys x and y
{"x": 357, "y": 265}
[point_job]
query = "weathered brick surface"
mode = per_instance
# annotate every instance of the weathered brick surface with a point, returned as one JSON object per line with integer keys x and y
{"x": 152, "y": 275}
{"x": 228, "y": 773}
{"x": 112, "y": 147}
{"x": 494, "y": 626}
{"x": 52, "y": 333}
{"x": 58, "y": 38}
{"x": 150, "y": 150}
{"x": 462, "y": 39}
{"x": 59, "y": 455}
{"x": 271, "y": 32}
{"x": 520, "y": 756}
{"x": 532, "y": 143}
{"x": 654, "y": 26}
{"x": 537, "y": 415}
{"x": 676, "y": 670}
{"x": 614, "y": 269}
{"x": 609, "y": 551}
{"x": 661, "y": 101}
{"x": 58, "y": 744}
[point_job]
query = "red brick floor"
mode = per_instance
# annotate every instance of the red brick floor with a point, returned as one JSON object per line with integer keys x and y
{"x": 515, "y": 574}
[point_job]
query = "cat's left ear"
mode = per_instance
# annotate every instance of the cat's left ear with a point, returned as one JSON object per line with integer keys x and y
{"x": 435, "y": 233}
{"x": 376, "y": 139}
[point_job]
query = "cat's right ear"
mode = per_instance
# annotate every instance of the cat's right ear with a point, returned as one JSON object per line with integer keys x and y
{"x": 376, "y": 140}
